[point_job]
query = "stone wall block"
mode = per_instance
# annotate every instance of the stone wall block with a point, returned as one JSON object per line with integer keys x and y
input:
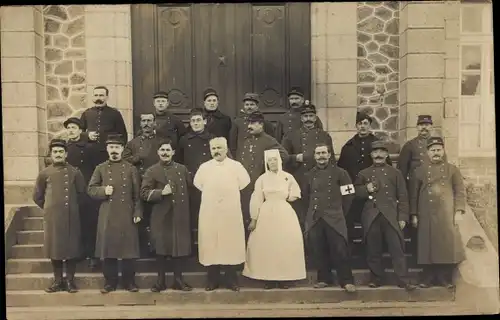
{"x": 21, "y": 168}
{"x": 339, "y": 138}
{"x": 451, "y": 107}
{"x": 339, "y": 16}
{"x": 18, "y": 69}
{"x": 424, "y": 90}
{"x": 426, "y": 15}
{"x": 20, "y": 94}
{"x": 435, "y": 110}
{"x": 18, "y": 44}
{"x": 450, "y": 127}
{"x": 341, "y": 71}
{"x": 342, "y": 95}
{"x": 452, "y": 29}
{"x": 451, "y": 88}
{"x": 20, "y": 18}
{"x": 100, "y": 24}
{"x": 425, "y": 40}
{"x": 341, "y": 119}
{"x": 19, "y": 117}
{"x": 452, "y": 68}
{"x": 341, "y": 46}
{"x": 425, "y": 65}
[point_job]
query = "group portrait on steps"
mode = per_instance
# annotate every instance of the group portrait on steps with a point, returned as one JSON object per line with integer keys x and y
{"x": 244, "y": 195}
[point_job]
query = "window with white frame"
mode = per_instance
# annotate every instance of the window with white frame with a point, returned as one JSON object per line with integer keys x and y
{"x": 477, "y": 91}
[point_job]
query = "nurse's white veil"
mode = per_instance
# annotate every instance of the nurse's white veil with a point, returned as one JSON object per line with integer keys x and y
{"x": 273, "y": 153}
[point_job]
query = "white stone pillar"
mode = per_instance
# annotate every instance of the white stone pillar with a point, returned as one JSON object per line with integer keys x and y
{"x": 23, "y": 94}
{"x": 109, "y": 56}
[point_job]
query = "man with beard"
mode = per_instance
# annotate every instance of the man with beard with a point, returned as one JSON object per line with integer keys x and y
{"x": 142, "y": 152}
{"x": 165, "y": 186}
{"x": 218, "y": 123}
{"x": 81, "y": 155}
{"x": 355, "y": 156}
{"x": 329, "y": 193}
{"x": 437, "y": 203}
{"x": 414, "y": 152}
{"x": 291, "y": 120}
{"x": 384, "y": 215}
{"x": 101, "y": 120}
{"x": 221, "y": 233}
{"x": 300, "y": 145}
{"x": 168, "y": 125}
{"x": 194, "y": 149}
{"x": 250, "y": 153}
{"x": 117, "y": 184}
{"x": 58, "y": 189}
{"x": 240, "y": 124}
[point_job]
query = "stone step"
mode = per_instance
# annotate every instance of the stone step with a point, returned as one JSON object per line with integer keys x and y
{"x": 40, "y": 281}
{"x": 33, "y": 223}
{"x": 34, "y": 212}
{"x": 299, "y": 295}
{"x": 263, "y": 310}
{"x": 29, "y": 251}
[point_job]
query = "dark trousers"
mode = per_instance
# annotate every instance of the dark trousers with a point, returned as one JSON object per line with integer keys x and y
{"x": 214, "y": 276}
{"x": 194, "y": 208}
{"x": 89, "y": 216}
{"x": 329, "y": 249}
{"x": 110, "y": 271}
{"x": 438, "y": 273}
{"x": 245, "y": 196}
{"x": 57, "y": 268}
{"x": 161, "y": 267}
{"x": 381, "y": 229}
{"x": 144, "y": 231}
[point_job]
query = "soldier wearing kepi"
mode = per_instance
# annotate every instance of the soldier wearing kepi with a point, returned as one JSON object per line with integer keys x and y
{"x": 165, "y": 186}
{"x": 102, "y": 120}
{"x": 355, "y": 156}
{"x": 218, "y": 123}
{"x": 414, "y": 152}
{"x": 384, "y": 215}
{"x": 291, "y": 120}
{"x": 329, "y": 191}
{"x": 142, "y": 152}
{"x": 117, "y": 184}
{"x": 239, "y": 128}
{"x": 81, "y": 155}
{"x": 250, "y": 153}
{"x": 57, "y": 192}
{"x": 300, "y": 145}
{"x": 194, "y": 149}
{"x": 437, "y": 203}
{"x": 168, "y": 125}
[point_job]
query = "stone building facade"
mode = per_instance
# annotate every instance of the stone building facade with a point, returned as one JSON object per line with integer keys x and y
{"x": 396, "y": 59}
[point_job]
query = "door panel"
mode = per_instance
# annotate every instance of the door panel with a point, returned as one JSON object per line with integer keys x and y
{"x": 235, "y": 48}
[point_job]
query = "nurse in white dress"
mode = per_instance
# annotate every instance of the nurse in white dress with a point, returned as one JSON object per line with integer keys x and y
{"x": 275, "y": 249}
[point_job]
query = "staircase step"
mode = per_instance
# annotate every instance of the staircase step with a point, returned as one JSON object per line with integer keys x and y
{"x": 33, "y": 223}
{"x": 35, "y": 251}
{"x": 35, "y": 212}
{"x": 30, "y": 237}
{"x": 40, "y": 281}
{"x": 300, "y": 295}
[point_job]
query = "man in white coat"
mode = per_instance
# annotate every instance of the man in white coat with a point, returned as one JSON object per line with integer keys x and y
{"x": 221, "y": 233}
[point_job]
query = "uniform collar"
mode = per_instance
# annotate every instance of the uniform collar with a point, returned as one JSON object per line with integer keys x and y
{"x": 167, "y": 164}
{"x": 204, "y": 135}
{"x": 216, "y": 113}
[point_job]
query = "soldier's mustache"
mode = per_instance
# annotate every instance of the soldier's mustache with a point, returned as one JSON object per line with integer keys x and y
{"x": 99, "y": 101}
{"x": 379, "y": 158}
{"x": 217, "y": 154}
{"x": 114, "y": 153}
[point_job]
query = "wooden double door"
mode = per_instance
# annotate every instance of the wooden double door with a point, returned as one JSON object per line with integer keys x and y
{"x": 234, "y": 48}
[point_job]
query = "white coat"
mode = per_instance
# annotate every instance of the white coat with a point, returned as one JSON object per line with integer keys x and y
{"x": 221, "y": 233}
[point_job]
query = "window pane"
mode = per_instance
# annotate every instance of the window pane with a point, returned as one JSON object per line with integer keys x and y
{"x": 472, "y": 18}
{"x": 471, "y": 57}
{"x": 471, "y": 84}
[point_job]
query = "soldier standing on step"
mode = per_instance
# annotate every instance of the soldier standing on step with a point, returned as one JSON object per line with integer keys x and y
{"x": 81, "y": 155}
{"x": 101, "y": 120}
{"x": 329, "y": 193}
{"x": 165, "y": 186}
{"x": 218, "y": 123}
{"x": 291, "y": 120}
{"x": 117, "y": 184}
{"x": 239, "y": 129}
{"x": 437, "y": 203}
{"x": 384, "y": 215}
{"x": 142, "y": 152}
{"x": 168, "y": 125}
{"x": 354, "y": 157}
{"x": 250, "y": 153}
{"x": 58, "y": 191}
{"x": 300, "y": 145}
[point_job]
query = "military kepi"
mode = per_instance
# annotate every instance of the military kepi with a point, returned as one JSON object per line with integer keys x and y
{"x": 251, "y": 97}
{"x": 74, "y": 120}
{"x": 209, "y": 92}
{"x": 424, "y": 118}
{"x": 57, "y": 143}
{"x": 297, "y": 91}
{"x": 308, "y": 108}
{"x": 363, "y": 115}
{"x": 256, "y": 117}
{"x": 160, "y": 94}
{"x": 379, "y": 144}
{"x": 434, "y": 140}
{"x": 115, "y": 139}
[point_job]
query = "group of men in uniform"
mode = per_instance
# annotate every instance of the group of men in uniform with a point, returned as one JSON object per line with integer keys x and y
{"x": 108, "y": 199}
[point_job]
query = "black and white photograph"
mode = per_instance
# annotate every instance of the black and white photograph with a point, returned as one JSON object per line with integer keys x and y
{"x": 247, "y": 160}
